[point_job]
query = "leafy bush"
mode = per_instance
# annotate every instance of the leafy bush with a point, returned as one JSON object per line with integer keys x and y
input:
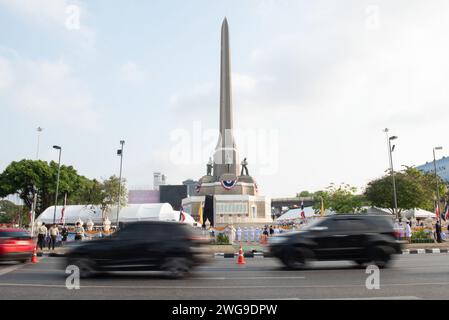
{"x": 422, "y": 234}
{"x": 222, "y": 239}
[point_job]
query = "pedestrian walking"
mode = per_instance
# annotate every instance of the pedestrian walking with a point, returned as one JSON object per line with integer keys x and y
{"x": 53, "y": 233}
{"x": 41, "y": 235}
{"x": 79, "y": 232}
{"x": 271, "y": 230}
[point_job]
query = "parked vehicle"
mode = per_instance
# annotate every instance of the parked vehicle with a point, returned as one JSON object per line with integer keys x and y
{"x": 141, "y": 246}
{"x": 15, "y": 245}
{"x": 357, "y": 237}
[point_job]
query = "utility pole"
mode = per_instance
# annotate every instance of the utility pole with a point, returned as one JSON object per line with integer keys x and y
{"x": 120, "y": 153}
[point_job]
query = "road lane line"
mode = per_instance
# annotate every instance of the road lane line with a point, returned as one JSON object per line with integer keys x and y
{"x": 11, "y": 269}
{"x": 373, "y": 298}
{"x": 212, "y": 287}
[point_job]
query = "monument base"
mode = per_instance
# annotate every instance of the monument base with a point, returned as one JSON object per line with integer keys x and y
{"x": 233, "y": 209}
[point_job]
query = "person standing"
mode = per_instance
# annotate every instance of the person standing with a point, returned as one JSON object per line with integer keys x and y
{"x": 53, "y": 232}
{"x": 438, "y": 231}
{"x": 42, "y": 233}
{"x": 64, "y": 234}
{"x": 79, "y": 232}
{"x": 408, "y": 232}
{"x": 239, "y": 234}
{"x": 258, "y": 234}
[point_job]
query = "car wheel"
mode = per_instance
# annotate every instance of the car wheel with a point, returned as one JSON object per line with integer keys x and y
{"x": 295, "y": 258}
{"x": 381, "y": 256}
{"x": 84, "y": 266}
{"x": 176, "y": 268}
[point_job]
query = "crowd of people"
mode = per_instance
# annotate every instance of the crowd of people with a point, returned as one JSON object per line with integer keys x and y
{"x": 57, "y": 235}
{"x": 405, "y": 229}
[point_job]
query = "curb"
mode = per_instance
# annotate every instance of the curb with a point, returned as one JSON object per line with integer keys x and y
{"x": 267, "y": 255}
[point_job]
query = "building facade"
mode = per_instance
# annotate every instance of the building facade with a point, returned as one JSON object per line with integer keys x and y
{"x": 442, "y": 168}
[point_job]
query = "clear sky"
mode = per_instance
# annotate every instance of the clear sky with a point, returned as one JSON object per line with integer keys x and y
{"x": 314, "y": 85}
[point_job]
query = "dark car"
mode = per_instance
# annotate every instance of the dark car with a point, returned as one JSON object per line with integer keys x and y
{"x": 360, "y": 238}
{"x": 15, "y": 245}
{"x": 141, "y": 246}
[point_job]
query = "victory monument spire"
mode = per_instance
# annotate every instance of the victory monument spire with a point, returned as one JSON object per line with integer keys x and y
{"x": 225, "y": 157}
{"x": 228, "y": 196}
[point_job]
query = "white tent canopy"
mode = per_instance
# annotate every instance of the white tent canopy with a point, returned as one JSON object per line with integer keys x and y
{"x": 418, "y": 214}
{"x": 132, "y": 212}
{"x": 296, "y": 214}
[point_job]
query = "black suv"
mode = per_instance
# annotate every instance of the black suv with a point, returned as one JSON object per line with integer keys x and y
{"x": 361, "y": 238}
{"x": 141, "y": 246}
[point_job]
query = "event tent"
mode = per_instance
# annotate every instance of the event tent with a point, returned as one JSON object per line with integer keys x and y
{"x": 132, "y": 212}
{"x": 292, "y": 214}
{"x": 418, "y": 214}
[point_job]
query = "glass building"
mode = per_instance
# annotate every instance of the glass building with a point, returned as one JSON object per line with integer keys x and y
{"x": 442, "y": 168}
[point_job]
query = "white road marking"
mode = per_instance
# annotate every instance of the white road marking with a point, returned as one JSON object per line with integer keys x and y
{"x": 374, "y": 298}
{"x": 12, "y": 268}
{"x": 213, "y": 287}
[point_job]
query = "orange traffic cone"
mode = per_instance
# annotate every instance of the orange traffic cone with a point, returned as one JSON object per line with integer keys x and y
{"x": 34, "y": 258}
{"x": 241, "y": 258}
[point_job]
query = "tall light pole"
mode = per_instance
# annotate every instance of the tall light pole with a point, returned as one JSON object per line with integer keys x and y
{"x": 57, "y": 182}
{"x": 39, "y": 130}
{"x": 120, "y": 153}
{"x": 390, "y": 151}
{"x": 436, "y": 179}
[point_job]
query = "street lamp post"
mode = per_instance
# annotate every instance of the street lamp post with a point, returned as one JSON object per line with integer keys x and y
{"x": 436, "y": 178}
{"x": 39, "y": 130}
{"x": 120, "y": 153}
{"x": 57, "y": 182}
{"x": 390, "y": 153}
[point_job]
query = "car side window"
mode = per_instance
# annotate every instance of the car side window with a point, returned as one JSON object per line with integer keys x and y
{"x": 351, "y": 225}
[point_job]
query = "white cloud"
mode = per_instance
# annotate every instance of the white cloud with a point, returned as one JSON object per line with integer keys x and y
{"x": 5, "y": 74}
{"x": 132, "y": 73}
{"x": 331, "y": 86}
{"x": 49, "y": 90}
{"x": 68, "y": 17}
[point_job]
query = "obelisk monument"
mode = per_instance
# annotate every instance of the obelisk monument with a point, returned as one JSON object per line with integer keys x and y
{"x": 226, "y": 160}
{"x": 228, "y": 196}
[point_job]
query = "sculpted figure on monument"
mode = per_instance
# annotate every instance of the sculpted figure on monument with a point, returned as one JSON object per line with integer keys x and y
{"x": 244, "y": 167}
{"x": 210, "y": 165}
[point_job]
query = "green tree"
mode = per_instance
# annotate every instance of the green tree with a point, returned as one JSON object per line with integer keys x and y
{"x": 414, "y": 189}
{"x": 26, "y": 177}
{"x": 8, "y": 211}
{"x": 341, "y": 199}
{"x": 110, "y": 194}
{"x": 305, "y": 194}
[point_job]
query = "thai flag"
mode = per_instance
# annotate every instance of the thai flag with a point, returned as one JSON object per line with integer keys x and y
{"x": 61, "y": 220}
{"x": 446, "y": 215}
{"x": 182, "y": 216}
{"x": 437, "y": 211}
{"x": 303, "y": 215}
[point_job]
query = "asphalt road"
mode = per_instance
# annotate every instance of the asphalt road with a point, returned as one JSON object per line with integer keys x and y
{"x": 423, "y": 276}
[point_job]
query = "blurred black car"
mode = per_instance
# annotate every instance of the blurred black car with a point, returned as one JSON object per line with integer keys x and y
{"x": 360, "y": 238}
{"x": 141, "y": 246}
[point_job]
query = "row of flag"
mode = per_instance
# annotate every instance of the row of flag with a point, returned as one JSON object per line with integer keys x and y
{"x": 444, "y": 215}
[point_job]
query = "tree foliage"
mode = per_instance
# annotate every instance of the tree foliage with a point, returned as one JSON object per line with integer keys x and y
{"x": 341, "y": 199}
{"x": 28, "y": 177}
{"x": 414, "y": 189}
